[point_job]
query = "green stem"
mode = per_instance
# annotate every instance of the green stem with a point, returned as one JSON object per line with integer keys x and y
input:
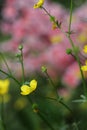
{"x": 50, "y": 80}
{"x": 41, "y": 115}
{"x": 77, "y": 59}
{"x": 45, "y": 120}
{"x": 67, "y": 107}
{"x": 6, "y": 63}
{"x": 10, "y": 76}
{"x": 46, "y": 11}
{"x": 2, "y": 114}
{"x": 22, "y": 65}
{"x": 74, "y": 49}
{"x": 59, "y": 99}
{"x": 50, "y": 16}
{"x": 70, "y": 20}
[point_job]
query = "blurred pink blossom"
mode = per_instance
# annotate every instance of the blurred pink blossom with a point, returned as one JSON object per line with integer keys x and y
{"x": 72, "y": 76}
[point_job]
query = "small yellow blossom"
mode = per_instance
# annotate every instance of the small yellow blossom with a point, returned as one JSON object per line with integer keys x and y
{"x": 56, "y": 39}
{"x": 54, "y": 26}
{"x": 20, "y": 103}
{"x": 4, "y": 86}
{"x": 6, "y": 98}
{"x": 27, "y": 89}
{"x": 39, "y": 4}
{"x": 85, "y": 49}
{"x": 84, "y": 67}
{"x": 33, "y": 84}
{"x": 82, "y": 38}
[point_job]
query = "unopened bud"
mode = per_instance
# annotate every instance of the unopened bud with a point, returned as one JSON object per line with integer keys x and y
{"x": 18, "y": 55}
{"x": 44, "y": 69}
{"x": 35, "y": 107}
{"x": 69, "y": 51}
{"x": 20, "y": 47}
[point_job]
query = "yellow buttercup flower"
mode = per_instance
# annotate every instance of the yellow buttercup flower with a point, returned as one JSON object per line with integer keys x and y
{"x": 85, "y": 49}
{"x": 20, "y": 103}
{"x": 39, "y": 4}
{"x": 54, "y": 26}
{"x": 6, "y": 98}
{"x": 27, "y": 89}
{"x": 33, "y": 84}
{"x": 82, "y": 38}
{"x": 84, "y": 67}
{"x": 4, "y": 86}
{"x": 56, "y": 39}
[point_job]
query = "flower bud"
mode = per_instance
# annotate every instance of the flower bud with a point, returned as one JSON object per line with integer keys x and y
{"x": 44, "y": 69}
{"x": 20, "y": 47}
{"x": 69, "y": 51}
{"x": 35, "y": 107}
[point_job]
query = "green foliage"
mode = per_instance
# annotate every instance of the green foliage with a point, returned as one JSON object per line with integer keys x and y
{"x": 4, "y": 37}
{"x": 76, "y": 3}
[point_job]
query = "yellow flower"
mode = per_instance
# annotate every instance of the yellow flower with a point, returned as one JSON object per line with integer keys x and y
{"x": 54, "y": 26}
{"x": 20, "y": 103}
{"x": 4, "y": 86}
{"x": 6, "y": 98}
{"x": 85, "y": 49}
{"x": 82, "y": 38}
{"x": 84, "y": 67}
{"x": 39, "y": 4}
{"x": 27, "y": 89}
{"x": 56, "y": 39}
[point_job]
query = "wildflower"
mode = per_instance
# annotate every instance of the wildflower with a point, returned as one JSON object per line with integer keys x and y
{"x": 27, "y": 89}
{"x": 54, "y": 25}
{"x": 82, "y": 37}
{"x": 44, "y": 69}
{"x": 84, "y": 67}
{"x": 56, "y": 39}
{"x": 20, "y": 103}
{"x": 4, "y": 85}
{"x": 6, "y": 98}
{"x": 39, "y": 4}
{"x": 20, "y": 47}
{"x": 85, "y": 49}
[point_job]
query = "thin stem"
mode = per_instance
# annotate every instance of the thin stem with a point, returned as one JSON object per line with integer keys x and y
{"x": 77, "y": 59}
{"x": 45, "y": 120}
{"x": 22, "y": 65}
{"x": 70, "y": 20}
{"x": 2, "y": 114}
{"x": 50, "y": 98}
{"x": 41, "y": 115}
{"x": 46, "y": 11}
{"x": 59, "y": 99}
{"x": 74, "y": 49}
{"x": 51, "y": 81}
{"x": 67, "y": 107}
{"x": 6, "y": 63}
{"x": 10, "y": 76}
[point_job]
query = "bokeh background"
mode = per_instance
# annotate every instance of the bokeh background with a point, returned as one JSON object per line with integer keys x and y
{"x": 21, "y": 24}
